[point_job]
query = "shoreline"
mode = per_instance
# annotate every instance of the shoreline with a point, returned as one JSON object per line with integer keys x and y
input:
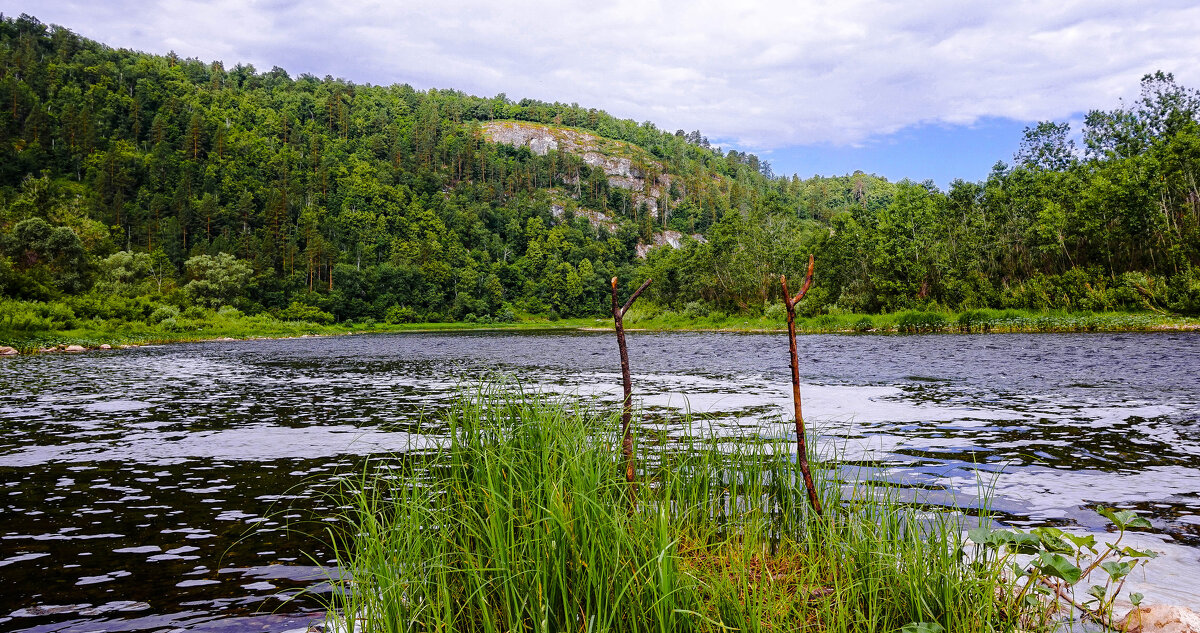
{"x": 1010, "y": 322}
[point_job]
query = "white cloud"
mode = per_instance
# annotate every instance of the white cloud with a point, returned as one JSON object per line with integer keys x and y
{"x": 762, "y": 75}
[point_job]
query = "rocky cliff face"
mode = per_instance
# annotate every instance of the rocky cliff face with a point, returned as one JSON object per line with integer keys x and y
{"x": 595, "y": 218}
{"x": 614, "y": 157}
{"x": 674, "y": 239}
{"x": 606, "y": 154}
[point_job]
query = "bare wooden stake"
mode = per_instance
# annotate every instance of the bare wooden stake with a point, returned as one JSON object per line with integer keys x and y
{"x": 627, "y": 403}
{"x": 801, "y": 450}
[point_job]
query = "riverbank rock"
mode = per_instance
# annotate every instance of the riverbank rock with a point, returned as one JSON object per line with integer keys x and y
{"x": 8, "y": 351}
{"x": 1161, "y": 618}
{"x": 74, "y": 348}
{"x": 105, "y": 346}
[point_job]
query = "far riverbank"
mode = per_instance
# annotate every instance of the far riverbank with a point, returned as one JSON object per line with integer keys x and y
{"x": 223, "y": 325}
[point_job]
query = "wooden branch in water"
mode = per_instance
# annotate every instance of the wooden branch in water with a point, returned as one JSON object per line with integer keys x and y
{"x": 801, "y": 450}
{"x": 792, "y": 301}
{"x": 633, "y": 297}
{"x": 626, "y": 382}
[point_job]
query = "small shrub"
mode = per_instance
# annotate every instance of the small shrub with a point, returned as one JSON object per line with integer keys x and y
{"x": 863, "y": 325}
{"x": 264, "y": 319}
{"x": 102, "y": 306}
{"x": 695, "y": 310}
{"x": 60, "y": 315}
{"x": 194, "y": 312}
{"x": 1185, "y": 291}
{"x": 776, "y": 312}
{"x": 171, "y": 324}
{"x": 162, "y": 313}
{"x": 400, "y": 314}
{"x": 303, "y": 312}
{"x": 22, "y": 316}
{"x": 506, "y": 316}
{"x": 230, "y": 312}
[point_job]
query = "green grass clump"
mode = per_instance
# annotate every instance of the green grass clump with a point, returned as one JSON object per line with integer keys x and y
{"x": 920, "y": 322}
{"x": 521, "y": 520}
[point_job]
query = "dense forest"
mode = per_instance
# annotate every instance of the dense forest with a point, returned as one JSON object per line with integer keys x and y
{"x": 133, "y": 183}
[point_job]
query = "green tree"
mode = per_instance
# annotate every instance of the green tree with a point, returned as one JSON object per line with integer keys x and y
{"x": 215, "y": 279}
{"x": 50, "y": 259}
{"x": 1047, "y": 146}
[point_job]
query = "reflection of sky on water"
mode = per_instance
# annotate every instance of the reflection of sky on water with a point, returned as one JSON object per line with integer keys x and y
{"x": 145, "y": 468}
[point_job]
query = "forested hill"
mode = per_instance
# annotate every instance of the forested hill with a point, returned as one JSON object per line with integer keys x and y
{"x": 130, "y": 180}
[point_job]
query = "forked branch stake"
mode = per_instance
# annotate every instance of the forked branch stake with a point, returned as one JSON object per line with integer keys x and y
{"x": 627, "y": 403}
{"x": 801, "y": 450}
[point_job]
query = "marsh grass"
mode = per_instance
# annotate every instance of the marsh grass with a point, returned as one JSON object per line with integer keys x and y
{"x": 30, "y": 326}
{"x": 93, "y": 333}
{"x": 522, "y": 521}
{"x": 651, "y": 317}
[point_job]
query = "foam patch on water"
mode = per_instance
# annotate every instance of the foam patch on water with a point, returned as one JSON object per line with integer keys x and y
{"x": 1048, "y": 493}
{"x": 252, "y": 443}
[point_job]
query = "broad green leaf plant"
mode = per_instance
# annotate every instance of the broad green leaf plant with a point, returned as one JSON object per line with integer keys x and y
{"x": 1047, "y": 566}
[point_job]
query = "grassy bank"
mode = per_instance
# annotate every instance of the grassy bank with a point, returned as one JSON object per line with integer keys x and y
{"x": 30, "y": 326}
{"x": 34, "y": 326}
{"x": 914, "y": 322}
{"x": 522, "y": 521}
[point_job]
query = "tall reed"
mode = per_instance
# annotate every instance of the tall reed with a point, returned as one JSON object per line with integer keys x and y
{"x": 520, "y": 522}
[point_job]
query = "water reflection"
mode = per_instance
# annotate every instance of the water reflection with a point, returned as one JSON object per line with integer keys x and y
{"x": 152, "y": 488}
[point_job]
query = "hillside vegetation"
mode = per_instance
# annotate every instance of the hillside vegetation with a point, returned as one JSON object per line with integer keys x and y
{"x": 133, "y": 183}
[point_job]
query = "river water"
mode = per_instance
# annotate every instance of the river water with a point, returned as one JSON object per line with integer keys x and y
{"x": 175, "y": 487}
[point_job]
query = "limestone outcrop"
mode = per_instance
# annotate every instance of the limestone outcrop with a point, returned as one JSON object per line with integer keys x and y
{"x": 643, "y": 177}
{"x": 674, "y": 239}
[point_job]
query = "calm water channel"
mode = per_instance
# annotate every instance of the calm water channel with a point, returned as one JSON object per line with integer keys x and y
{"x": 153, "y": 489}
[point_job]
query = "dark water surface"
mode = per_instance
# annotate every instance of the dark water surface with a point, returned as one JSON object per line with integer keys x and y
{"x": 152, "y": 489}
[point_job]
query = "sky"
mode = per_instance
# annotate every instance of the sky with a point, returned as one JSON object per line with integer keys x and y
{"x": 932, "y": 90}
